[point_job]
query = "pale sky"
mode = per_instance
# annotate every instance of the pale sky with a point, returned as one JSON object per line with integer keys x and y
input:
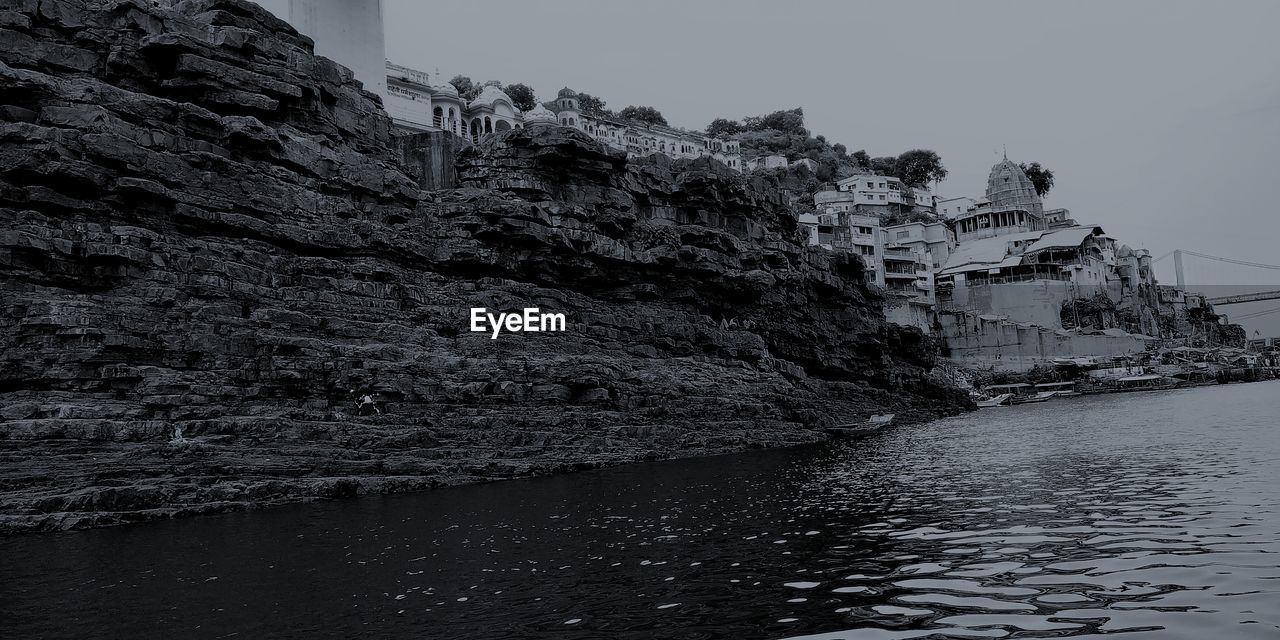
{"x": 1159, "y": 119}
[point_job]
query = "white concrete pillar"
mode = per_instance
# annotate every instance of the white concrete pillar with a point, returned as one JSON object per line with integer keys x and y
{"x": 349, "y": 32}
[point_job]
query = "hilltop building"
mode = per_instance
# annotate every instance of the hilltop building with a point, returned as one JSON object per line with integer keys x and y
{"x": 1011, "y": 206}
{"x": 871, "y": 194}
{"x": 950, "y": 208}
{"x": 416, "y": 103}
{"x": 1002, "y": 257}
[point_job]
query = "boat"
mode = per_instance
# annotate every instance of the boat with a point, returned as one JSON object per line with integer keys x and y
{"x": 996, "y": 401}
{"x": 1043, "y": 396}
{"x": 1145, "y": 382}
{"x": 871, "y": 425}
{"x": 1059, "y": 389}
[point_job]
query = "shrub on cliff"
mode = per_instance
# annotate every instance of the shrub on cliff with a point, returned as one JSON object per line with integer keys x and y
{"x": 1041, "y": 178}
{"x": 592, "y": 104}
{"x": 783, "y": 133}
{"x": 647, "y": 115}
{"x": 522, "y": 96}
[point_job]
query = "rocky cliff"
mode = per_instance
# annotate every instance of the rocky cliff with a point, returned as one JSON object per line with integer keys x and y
{"x": 209, "y": 247}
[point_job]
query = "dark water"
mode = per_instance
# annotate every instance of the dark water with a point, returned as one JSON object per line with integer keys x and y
{"x": 1141, "y": 515}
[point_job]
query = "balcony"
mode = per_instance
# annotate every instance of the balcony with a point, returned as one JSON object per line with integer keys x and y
{"x": 893, "y": 271}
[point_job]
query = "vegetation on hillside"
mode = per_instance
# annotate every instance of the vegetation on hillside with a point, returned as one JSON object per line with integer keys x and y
{"x": 593, "y": 105}
{"x": 779, "y": 133}
{"x": 783, "y": 133}
{"x": 522, "y": 96}
{"x": 647, "y": 115}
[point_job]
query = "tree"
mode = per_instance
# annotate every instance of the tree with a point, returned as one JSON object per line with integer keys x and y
{"x": 840, "y": 149}
{"x": 861, "y": 158}
{"x": 592, "y": 104}
{"x": 723, "y": 128}
{"x": 828, "y": 168}
{"x": 1041, "y": 178}
{"x": 467, "y": 89}
{"x": 643, "y": 114}
{"x": 787, "y": 121}
{"x": 883, "y": 165}
{"x": 918, "y": 167}
{"x": 522, "y": 96}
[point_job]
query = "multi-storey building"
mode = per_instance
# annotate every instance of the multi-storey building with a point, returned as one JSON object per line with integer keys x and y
{"x": 899, "y": 259}
{"x": 878, "y": 195}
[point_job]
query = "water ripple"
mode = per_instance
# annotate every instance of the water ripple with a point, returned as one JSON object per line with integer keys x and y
{"x": 1147, "y": 515}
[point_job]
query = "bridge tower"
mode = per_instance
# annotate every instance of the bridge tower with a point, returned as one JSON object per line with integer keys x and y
{"x": 1177, "y": 269}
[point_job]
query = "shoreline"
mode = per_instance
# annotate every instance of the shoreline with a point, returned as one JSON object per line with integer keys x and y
{"x": 396, "y": 486}
{"x": 303, "y": 490}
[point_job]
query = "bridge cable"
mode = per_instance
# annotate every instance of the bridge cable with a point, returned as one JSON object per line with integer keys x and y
{"x": 1232, "y": 260}
{"x": 1256, "y": 314}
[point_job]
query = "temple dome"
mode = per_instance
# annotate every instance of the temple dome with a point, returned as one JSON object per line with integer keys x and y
{"x": 489, "y": 95}
{"x": 446, "y": 89}
{"x": 539, "y": 113}
{"x": 567, "y": 93}
{"x": 1009, "y": 189}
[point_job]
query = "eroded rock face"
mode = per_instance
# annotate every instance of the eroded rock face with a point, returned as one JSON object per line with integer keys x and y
{"x": 205, "y": 230}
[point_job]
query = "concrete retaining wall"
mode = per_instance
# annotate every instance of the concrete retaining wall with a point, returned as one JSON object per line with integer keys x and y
{"x": 1009, "y": 346}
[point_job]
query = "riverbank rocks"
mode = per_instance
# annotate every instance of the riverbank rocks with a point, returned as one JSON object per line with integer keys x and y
{"x": 209, "y": 250}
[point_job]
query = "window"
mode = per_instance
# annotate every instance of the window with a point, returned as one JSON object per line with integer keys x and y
{"x": 882, "y": 197}
{"x": 904, "y": 234}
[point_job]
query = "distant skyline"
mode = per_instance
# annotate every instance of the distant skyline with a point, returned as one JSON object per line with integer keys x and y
{"x": 1160, "y": 120}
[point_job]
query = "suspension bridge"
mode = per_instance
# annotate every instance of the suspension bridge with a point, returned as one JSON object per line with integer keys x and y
{"x": 1255, "y": 296}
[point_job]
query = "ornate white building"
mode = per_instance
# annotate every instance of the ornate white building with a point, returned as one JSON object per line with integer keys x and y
{"x": 874, "y": 194}
{"x": 416, "y": 103}
{"x": 1011, "y": 206}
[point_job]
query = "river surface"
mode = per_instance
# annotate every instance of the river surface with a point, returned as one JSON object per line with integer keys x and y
{"x": 1143, "y": 515}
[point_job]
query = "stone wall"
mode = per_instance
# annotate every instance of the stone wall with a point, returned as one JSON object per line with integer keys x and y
{"x": 986, "y": 342}
{"x": 1038, "y": 302}
{"x": 430, "y": 158}
{"x": 207, "y": 230}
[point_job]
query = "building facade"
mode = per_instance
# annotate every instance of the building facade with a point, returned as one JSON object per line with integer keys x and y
{"x": 951, "y": 208}
{"x": 878, "y": 195}
{"x": 417, "y": 103}
{"x": 1011, "y": 206}
{"x": 899, "y": 259}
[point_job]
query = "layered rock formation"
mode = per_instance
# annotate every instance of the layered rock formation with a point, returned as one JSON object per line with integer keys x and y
{"x": 209, "y": 247}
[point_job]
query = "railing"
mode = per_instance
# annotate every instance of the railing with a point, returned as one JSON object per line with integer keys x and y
{"x": 974, "y": 282}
